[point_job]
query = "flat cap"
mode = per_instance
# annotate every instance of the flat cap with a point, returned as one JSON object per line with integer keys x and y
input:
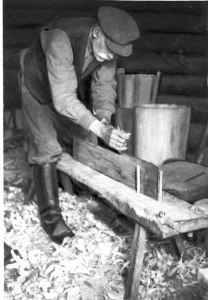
{"x": 119, "y": 28}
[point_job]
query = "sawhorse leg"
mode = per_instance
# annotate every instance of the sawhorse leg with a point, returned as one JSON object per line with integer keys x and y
{"x": 139, "y": 242}
{"x": 137, "y": 256}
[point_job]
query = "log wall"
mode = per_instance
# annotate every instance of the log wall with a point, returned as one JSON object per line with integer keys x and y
{"x": 173, "y": 41}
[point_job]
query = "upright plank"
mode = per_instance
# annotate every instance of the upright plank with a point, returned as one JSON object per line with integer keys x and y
{"x": 129, "y": 91}
{"x": 120, "y": 167}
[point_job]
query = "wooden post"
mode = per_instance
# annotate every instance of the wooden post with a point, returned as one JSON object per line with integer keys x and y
{"x": 139, "y": 242}
{"x": 66, "y": 182}
{"x": 137, "y": 256}
{"x": 155, "y": 88}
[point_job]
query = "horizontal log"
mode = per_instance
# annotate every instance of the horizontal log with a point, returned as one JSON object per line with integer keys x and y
{"x": 166, "y": 22}
{"x": 198, "y": 104}
{"x": 184, "y": 85}
{"x": 19, "y": 38}
{"x": 11, "y": 90}
{"x": 171, "y": 43}
{"x": 195, "y": 7}
{"x": 166, "y": 63}
{"x": 165, "y": 218}
{"x": 119, "y": 167}
{"x": 147, "y": 21}
{"x": 136, "y": 63}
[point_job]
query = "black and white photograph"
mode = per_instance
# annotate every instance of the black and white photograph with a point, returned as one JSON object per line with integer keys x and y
{"x": 104, "y": 150}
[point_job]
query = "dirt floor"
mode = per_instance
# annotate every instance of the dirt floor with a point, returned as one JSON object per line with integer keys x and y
{"x": 94, "y": 264}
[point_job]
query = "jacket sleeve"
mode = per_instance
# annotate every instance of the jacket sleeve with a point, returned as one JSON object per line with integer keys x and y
{"x": 62, "y": 77}
{"x": 103, "y": 90}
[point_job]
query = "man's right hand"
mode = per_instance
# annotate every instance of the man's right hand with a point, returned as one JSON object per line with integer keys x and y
{"x": 114, "y": 138}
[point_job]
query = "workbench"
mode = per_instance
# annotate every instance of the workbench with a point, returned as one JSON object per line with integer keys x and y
{"x": 166, "y": 218}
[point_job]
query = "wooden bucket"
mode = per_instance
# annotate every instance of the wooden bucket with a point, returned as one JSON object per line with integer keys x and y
{"x": 161, "y": 132}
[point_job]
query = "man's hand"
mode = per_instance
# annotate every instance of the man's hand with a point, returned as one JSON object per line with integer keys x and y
{"x": 114, "y": 138}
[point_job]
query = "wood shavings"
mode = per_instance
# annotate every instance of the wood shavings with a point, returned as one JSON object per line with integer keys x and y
{"x": 92, "y": 265}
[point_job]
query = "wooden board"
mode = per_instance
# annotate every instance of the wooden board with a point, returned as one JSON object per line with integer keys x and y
{"x": 120, "y": 167}
{"x": 186, "y": 180}
{"x": 167, "y": 218}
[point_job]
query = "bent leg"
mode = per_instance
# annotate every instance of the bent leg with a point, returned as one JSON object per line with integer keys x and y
{"x": 44, "y": 152}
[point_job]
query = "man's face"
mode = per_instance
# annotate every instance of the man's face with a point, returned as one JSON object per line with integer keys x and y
{"x": 100, "y": 49}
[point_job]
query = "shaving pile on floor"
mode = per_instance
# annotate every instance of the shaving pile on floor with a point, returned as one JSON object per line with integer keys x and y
{"x": 94, "y": 264}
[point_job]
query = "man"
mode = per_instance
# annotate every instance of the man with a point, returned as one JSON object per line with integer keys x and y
{"x": 55, "y": 70}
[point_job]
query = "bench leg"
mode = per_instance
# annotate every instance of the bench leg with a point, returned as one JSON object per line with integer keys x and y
{"x": 66, "y": 182}
{"x": 137, "y": 256}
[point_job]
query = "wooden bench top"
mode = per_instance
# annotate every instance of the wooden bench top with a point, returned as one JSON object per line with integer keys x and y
{"x": 167, "y": 218}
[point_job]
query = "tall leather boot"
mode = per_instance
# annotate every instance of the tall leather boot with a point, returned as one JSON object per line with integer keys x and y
{"x": 46, "y": 184}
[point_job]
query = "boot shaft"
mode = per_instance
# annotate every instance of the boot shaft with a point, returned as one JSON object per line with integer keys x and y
{"x": 46, "y": 185}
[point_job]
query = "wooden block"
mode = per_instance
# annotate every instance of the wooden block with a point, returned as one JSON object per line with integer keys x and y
{"x": 186, "y": 180}
{"x": 120, "y": 167}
